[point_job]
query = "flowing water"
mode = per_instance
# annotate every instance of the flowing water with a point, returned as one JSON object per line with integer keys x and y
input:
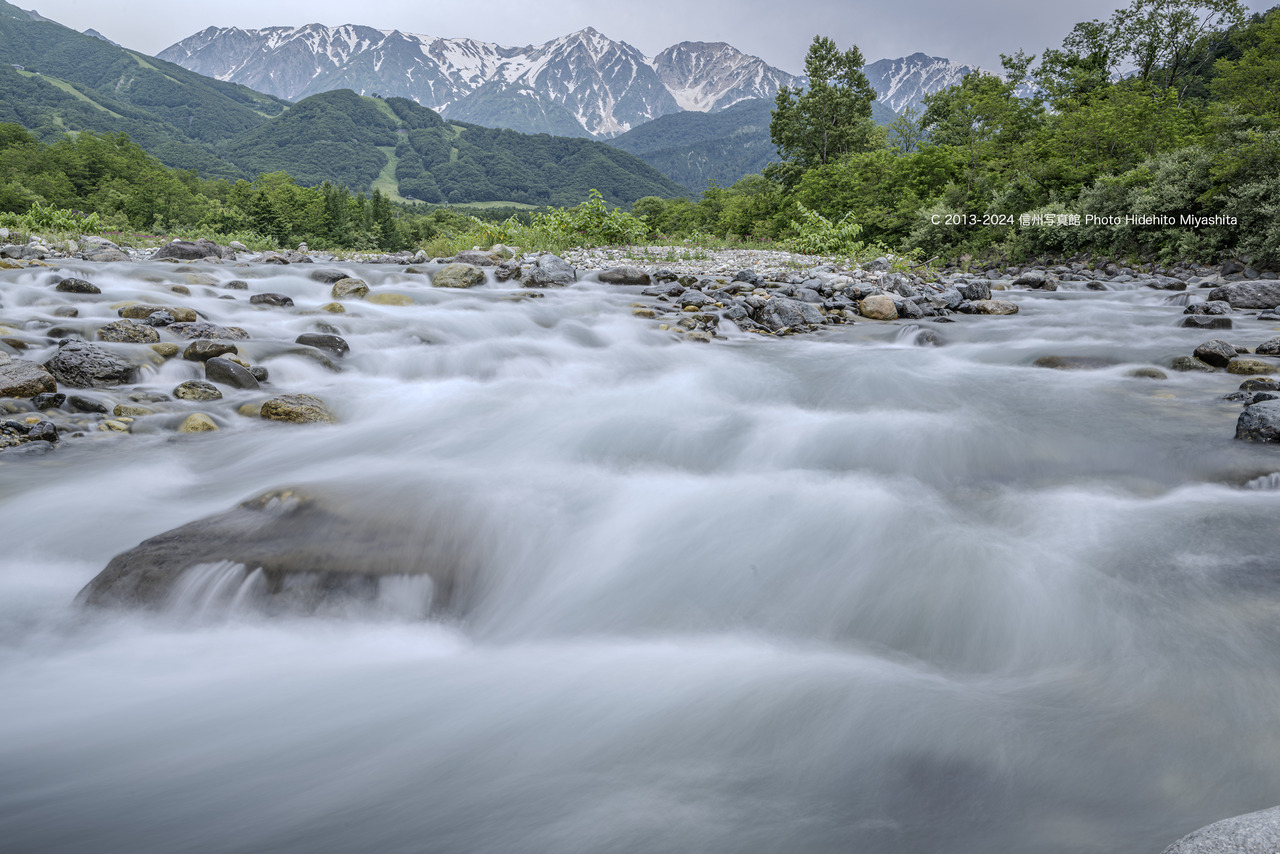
{"x": 828, "y": 593}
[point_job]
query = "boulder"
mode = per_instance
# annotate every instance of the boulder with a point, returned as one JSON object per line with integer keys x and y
{"x": 1215, "y": 352}
{"x": 297, "y": 409}
{"x": 197, "y": 390}
{"x": 548, "y": 270}
{"x": 1250, "y": 367}
{"x": 458, "y": 276}
{"x": 349, "y": 289}
{"x": 77, "y": 286}
{"x": 128, "y": 332}
{"x": 311, "y": 547}
{"x": 203, "y": 329}
{"x": 990, "y": 306}
{"x": 624, "y": 276}
{"x": 785, "y": 313}
{"x": 1252, "y": 833}
{"x": 24, "y": 379}
{"x": 334, "y": 344}
{"x": 326, "y": 275}
{"x": 222, "y": 370}
{"x": 1257, "y": 294}
{"x": 192, "y": 250}
{"x": 1201, "y": 321}
{"x": 878, "y": 307}
{"x": 1270, "y": 347}
{"x": 475, "y": 258}
{"x": 141, "y": 311}
{"x": 84, "y": 365}
{"x": 271, "y": 299}
{"x": 202, "y": 350}
{"x": 1260, "y": 422}
{"x": 197, "y": 422}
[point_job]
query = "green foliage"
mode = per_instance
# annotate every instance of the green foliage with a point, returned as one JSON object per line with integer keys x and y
{"x": 47, "y": 218}
{"x": 832, "y": 116}
{"x": 817, "y": 235}
{"x": 591, "y": 223}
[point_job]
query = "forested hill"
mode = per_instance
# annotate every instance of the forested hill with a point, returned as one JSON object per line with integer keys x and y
{"x": 356, "y": 141}
{"x": 57, "y": 80}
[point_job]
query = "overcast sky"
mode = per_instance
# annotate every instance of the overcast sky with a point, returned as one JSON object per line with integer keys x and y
{"x": 779, "y": 31}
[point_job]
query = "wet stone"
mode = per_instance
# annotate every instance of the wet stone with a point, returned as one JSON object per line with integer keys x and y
{"x": 220, "y": 369}
{"x": 330, "y": 343}
{"x": 128, "y": 332}
{"x": 203, "y": 349}
{"x": 297, "y": 409}
{"x": 77, "y": 286}
{"x": 196, "y": 390}
{"x": 271, "y": 299}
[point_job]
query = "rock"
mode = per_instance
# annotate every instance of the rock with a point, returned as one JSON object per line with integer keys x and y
{"x": 202, "y": 350}
{"x": 77, "y": 286}
{"x": 298, "y": 409}
{"x": 128, "y": 332}
{"x": 1250, "y": 366}
{"x": 1073, "y": 363}
{"x": 84, "y": 404}
{"x": 202, "y": 329}
{"x": 160, "y": 318}
{"x": 19, "y": 378}
{"x": 197, "y": 422}
{"x": 332, "y": 343}
{"x": 1260, "y": 384}
{"x": 141, "y": 311}
{"x": 1210, "y": 307}
{"x": 310, "y": 546}
{"x": 549, "y": 270}
{"x": 1258, "y": 294}
{"x": 1270, "y": 347}
{"x": 975, "y": 291}
{"x": 1199, "y": 321}
{"x": 642, "y": 311}
{"x": 458, "y": 276}
{"x": 386, "y": 298}
{"x": 349, "y": 289}
{"x": 66, "y": 311}
{"x": 84, "y": 365}
{"x": 334, "y": 308}
{"x": 1031, "y": 279}
{"x": 1189, "y": 363}
{"x": 42, "y": 431}
{"x": 271, "y": 299}
{"x": 1215, "y": 352}
{"x": 1260, "y": 422}
{"x": 188, "y": 250}
{"x": 122, "y": 409}
{"x": 197, "y": 390}
{"x": 785, "y": 313}
{"x": 47, "y": 400}
{"x": 990, "y": 306}
{"x": 165, "y": 349}
{"x": 624, "y": 276}
{"x": 1148, "y": 374}
{"x": 475, "y": 258}
{"x": 878, "y": 307}
{"x": 327, "y": 276}
{"x": 220, "y": 369}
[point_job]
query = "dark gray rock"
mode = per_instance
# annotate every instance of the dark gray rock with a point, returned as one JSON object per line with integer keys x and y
{"x": 48, "y": 400}
{"x": 86, "y": 404}
{"x": 624, "y": 276}
{"x": 192, "y": 250}
{"x": 476, "y": 258}
{"x": 975, "y": 291}
{"x": 1216, "y": 306}
{"x": 1031, "y": 279}
{"x": 314, "y": 546}
{"x": 1260, "y": 384}
{"x": 1215, "y": 352}
{"x": 1252, "y": 833}
{"x": 1259, "y": 294}
{"x": 160, "y": 318}
{"x": 202, "y": 350}
{"x": 327, "y": 275}
{"x": 786, "y": 313}
{"x": 77, "y": 286}
{"x": 1270, "y": 347}
{"x": 43, "y": 431}
{"x": 1260, "y": 422}
{"x": 203, "y": 329}
{"x": 271, "y": 299}
{"x": 227, "y": 372}
{"x": 751, "y": 277}
{"x": 236, "y": 285}
{"x": 1202, "y": 321}
{"x": 332, "y": 343}
{"x": 84, "y": 365}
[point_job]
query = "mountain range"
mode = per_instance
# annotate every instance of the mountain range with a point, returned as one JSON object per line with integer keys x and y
{"x": 583, "y": 83}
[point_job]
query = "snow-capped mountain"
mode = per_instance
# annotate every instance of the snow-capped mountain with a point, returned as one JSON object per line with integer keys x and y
{"x": 581, "y": 84}
{"x": 901, "y": 83}
{"x": 605, "y": 86}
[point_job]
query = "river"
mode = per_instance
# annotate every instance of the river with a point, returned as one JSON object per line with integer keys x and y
{"x": 824, "y": 593}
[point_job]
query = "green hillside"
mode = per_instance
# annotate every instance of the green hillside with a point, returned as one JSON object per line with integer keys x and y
{"x": 340, "y": 136}
{"x": 56, "y": 80}
{"x": 693, "y": 148}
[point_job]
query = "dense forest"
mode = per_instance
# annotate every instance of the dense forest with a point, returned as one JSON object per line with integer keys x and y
{"x": 1154, "y": 134}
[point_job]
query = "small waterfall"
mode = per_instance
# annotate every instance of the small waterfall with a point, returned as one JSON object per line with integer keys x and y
{"x": 219, "y": 589}
{"x": 1267, "y": 482}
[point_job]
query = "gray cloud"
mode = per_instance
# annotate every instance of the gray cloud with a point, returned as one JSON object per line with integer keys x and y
{"x": 777, "y": 30}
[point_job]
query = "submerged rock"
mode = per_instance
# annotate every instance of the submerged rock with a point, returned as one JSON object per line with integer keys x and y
{"x": 315, "y": 545}
{"x": 1252, "y": 833}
